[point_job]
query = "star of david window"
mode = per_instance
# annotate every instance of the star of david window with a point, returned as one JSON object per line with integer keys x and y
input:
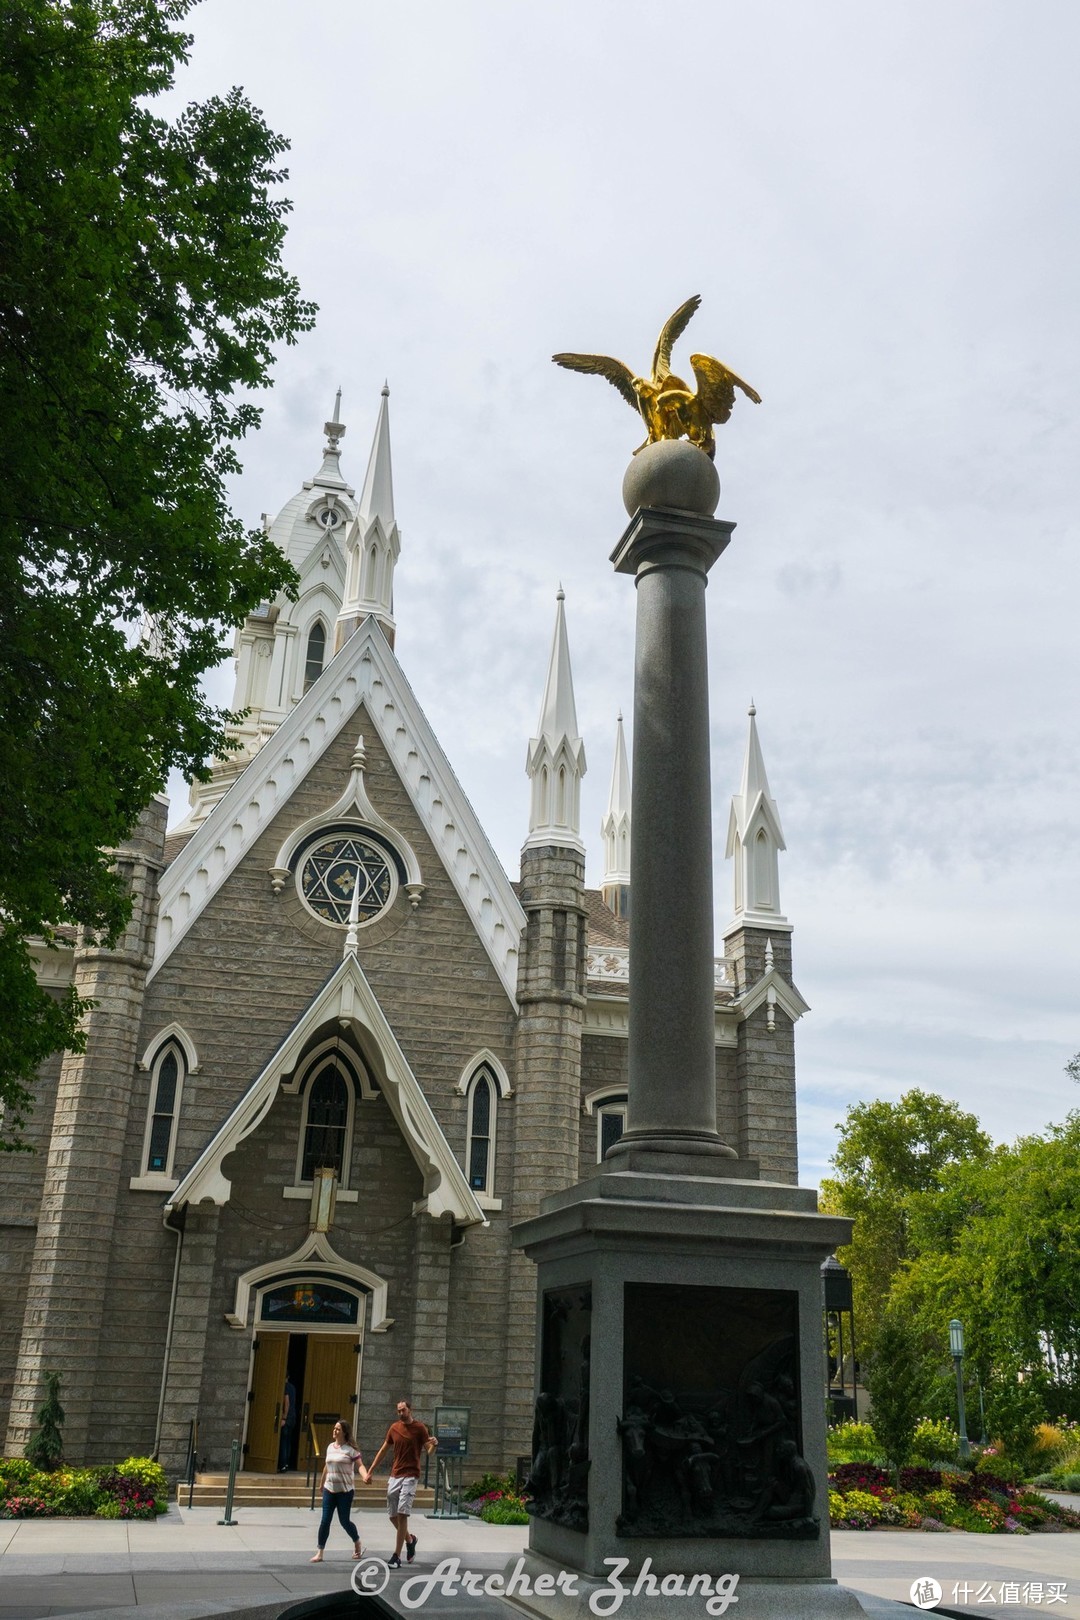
{"x": 331, "y": 870}
{"x": 329, "y": 517}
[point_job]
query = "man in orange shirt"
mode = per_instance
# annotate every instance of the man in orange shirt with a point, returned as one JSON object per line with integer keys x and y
{"x": 410, "y": 1439}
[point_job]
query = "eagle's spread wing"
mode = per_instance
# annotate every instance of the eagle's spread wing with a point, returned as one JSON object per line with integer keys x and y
{"x": 673, "y": 331}
{"x": 601, "y": 365}
{"x": 717, "y": 385}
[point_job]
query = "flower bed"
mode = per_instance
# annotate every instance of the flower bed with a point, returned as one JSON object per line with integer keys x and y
{"x": 863, "y": 1497}
{"x": 496, "y": 1498}
{"x": 133, "y": 1489}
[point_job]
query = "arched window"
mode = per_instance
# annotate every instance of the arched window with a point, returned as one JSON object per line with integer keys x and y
{"x": 316, "y": 654}
{"x": 762, "y": 870}
{"x": 372, "y": 573}
{"x": 166, "y": 1081}
{"x": 326, "y": 1121}
{"x": 480, "y": 1147}
{"x": 610, "y": 1124}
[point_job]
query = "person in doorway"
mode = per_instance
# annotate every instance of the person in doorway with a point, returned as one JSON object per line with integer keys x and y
{"x": 288, "y": 1426}
{"x": 343, "y": 1463}
{"x": 409, "y": 1439}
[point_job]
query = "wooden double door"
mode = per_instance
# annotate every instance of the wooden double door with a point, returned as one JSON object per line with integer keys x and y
{"x": 325, "y": 1370}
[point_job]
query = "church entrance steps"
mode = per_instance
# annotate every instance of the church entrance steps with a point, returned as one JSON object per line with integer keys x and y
{"x": 283, "y": 1490}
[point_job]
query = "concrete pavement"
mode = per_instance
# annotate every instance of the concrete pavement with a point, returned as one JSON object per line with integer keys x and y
{"x": 185, "y": 1565}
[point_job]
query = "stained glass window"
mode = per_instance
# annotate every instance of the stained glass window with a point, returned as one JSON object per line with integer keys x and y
{"x": 331, "y": 869}
{"x": 309, "y": 1302}
{"x": 327, "y": 1121}
{"x": 480, "y": 1134}
{"x": 165, "y": 1082}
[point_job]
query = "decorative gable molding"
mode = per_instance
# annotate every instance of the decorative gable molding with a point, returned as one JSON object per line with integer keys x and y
{"x": 314, "y": 1258}
{"x": 364, "y": 671}
{"x": 347, "y": 999}
{"x": 772, "y": 990}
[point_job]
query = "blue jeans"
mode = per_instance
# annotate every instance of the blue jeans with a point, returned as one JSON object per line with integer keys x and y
{"x": 341, "y": 1502}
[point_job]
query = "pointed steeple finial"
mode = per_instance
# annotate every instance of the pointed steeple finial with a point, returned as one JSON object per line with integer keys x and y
{"x": 377, "y": 495}
{"x": 558, "y": 714}
{"x": 615, "y": 830}
{"x": 373, "y": 543}
{"x": 335, "y": 428}
{"x": 755, "y": 838}
{"x": 556, "y": 759}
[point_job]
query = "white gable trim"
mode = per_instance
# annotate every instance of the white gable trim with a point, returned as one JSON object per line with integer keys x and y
{"x": 349, "y": 999}
{"x": 315, "y": 1258}
{"x": 775, "y": 990}
{"x": 364, "y": 671}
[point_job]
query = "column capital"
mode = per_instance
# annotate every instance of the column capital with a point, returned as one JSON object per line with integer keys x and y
{"x": 658, "y": 538}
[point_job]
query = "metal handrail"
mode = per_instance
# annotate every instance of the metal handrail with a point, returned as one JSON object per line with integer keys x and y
{"x": 313, "y": 1455}
{"x": 193, "y": 1446}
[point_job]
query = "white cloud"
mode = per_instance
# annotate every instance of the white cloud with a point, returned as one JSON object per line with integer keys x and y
{"x": 878, "y": 208}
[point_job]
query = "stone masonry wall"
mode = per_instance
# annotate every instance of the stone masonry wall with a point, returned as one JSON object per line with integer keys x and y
{"x": 765, "y": 1066}
{"x": 66, "y": 1299}
{"x": 20, "y": 1199}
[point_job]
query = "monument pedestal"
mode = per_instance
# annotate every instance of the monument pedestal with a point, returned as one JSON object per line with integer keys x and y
{"x": 680, "y": 1419}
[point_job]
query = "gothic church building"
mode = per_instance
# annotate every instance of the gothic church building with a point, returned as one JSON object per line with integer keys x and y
{"x": 338, "y": 1053}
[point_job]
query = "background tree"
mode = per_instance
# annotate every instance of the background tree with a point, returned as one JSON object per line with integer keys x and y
{"x": 898, "y": 1377}
{"x": 45, "y": 1447}
{"x": 888, "y": 1155}
{"x": 141, "y": 297}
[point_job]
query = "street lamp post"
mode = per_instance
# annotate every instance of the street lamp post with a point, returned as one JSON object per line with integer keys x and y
{"x": 956, "y": 1347}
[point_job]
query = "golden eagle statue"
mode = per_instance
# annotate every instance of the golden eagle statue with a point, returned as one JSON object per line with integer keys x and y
{"x": 668, "y": 406}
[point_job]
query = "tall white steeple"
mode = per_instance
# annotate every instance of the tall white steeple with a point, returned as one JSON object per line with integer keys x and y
{"x": 754, "y": 840}
{"x": 556, "y": 758}
{"x": 373, "y": 543}
{"x": 615, "y": 829}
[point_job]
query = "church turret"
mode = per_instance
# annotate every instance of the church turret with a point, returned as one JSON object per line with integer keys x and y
{"x": 373, "y": 543}
{"x": 551, "y": 998}
{"x": 556, "y": 758}
{"x": 615, "y": 830}
{"x": 754, "y": 840}
{"x": 757, "y": 945}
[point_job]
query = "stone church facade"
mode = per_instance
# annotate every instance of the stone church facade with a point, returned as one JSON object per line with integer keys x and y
{"x": 337, "y": 1054}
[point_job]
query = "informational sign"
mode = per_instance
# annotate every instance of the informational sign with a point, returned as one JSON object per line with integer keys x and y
{"x": 451, "y": 1430}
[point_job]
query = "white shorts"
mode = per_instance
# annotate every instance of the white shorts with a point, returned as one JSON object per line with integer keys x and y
{"x": 400, "y": 1495}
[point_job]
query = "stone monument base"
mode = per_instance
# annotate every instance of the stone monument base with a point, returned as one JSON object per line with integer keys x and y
{"x": 680, "y": 1420}
{"x": 659, "y": 1598}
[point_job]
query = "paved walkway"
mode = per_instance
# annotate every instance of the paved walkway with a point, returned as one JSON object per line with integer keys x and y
{"x": 185, "y": 1565}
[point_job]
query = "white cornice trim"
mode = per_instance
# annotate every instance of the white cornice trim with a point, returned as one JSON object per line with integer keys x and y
{"x": 347, "y": 999}
{"x": 768, "y": 921}
{"x": 364, "y": 671}
{"x": 610, "y": 1016}
{"x": 315, "y": 1258}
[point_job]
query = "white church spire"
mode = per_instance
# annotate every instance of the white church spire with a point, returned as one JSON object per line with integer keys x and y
{"x": 615, "y": 830}
{"x": 556, "y": 758}
{"x": 373, "y": 543}
{"x": 755, "y": 838}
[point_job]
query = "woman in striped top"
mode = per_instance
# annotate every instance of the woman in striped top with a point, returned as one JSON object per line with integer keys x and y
{"x": 343, "y": 1461}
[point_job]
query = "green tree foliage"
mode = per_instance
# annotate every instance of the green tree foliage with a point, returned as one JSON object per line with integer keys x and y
{"x": 898, "y": 1377}
{"x": 889, "y": 1155}
{"x": 142, "y": 296}
{"x": 45, "y": 1448}
{"x": 998, "y": 1245}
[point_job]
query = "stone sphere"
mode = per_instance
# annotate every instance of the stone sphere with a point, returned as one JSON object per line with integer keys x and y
{"x": 672, "y": 473}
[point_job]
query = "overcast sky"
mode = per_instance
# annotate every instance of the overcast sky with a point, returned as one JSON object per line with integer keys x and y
{"x": 879, "y": 209}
